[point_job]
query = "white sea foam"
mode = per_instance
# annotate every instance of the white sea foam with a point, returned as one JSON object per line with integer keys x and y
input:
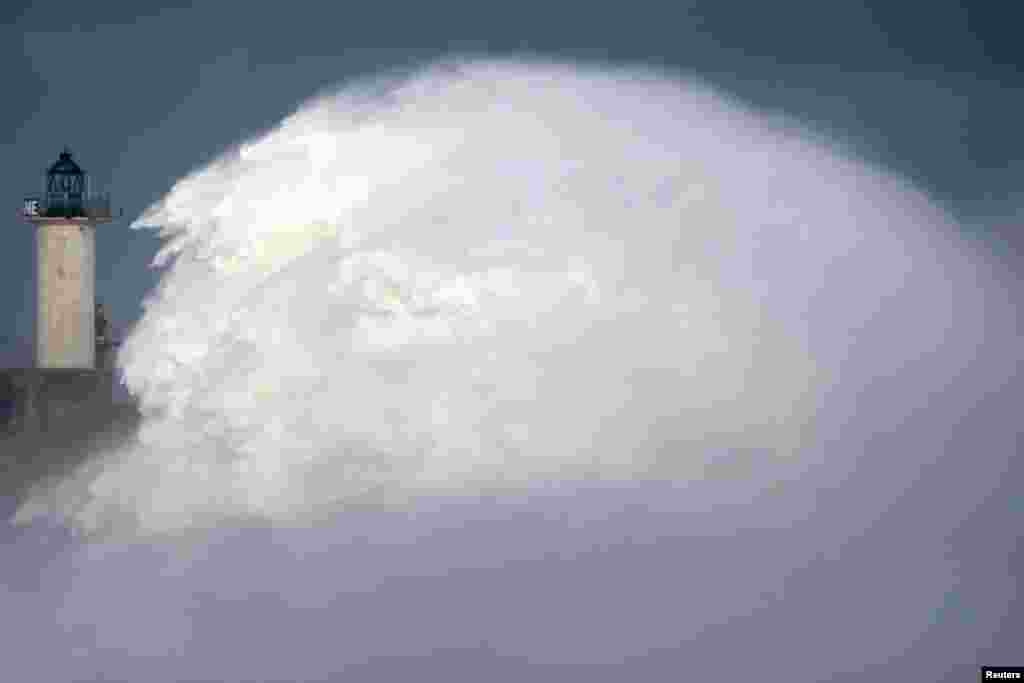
{"x": 488, "y": 274}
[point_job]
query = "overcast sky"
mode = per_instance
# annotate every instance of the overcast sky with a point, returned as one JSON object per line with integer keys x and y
{"x": 144, "y": 92}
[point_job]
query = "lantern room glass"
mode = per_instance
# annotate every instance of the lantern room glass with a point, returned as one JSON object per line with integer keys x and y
{"x": 66, "y": 186}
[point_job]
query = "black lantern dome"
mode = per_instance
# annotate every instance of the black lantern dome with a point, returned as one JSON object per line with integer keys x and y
{"x": 65, "y": 177}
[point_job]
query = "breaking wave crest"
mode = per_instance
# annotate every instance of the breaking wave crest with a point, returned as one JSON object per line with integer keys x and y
{"x": 491, "y": 274}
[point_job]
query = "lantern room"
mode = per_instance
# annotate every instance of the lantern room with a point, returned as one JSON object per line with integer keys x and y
{"x": 67, "y": 194}
{"x": 65, "y": 178}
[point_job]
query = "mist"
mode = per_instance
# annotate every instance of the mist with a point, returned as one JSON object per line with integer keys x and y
{"x": 502, "y": 369}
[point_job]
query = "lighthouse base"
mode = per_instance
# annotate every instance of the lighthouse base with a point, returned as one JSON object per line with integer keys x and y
{"x": 51, "y": 420}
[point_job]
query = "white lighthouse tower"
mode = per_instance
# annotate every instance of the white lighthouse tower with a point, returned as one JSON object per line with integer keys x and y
{"x": 65, "y": 218}
{"x": 67, "y": 395}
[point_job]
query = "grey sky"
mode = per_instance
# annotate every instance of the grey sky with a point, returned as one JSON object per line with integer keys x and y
{"x": 144, "y": 93}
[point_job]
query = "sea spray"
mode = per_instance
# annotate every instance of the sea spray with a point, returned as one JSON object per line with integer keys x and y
{"x": 492, "y": 274}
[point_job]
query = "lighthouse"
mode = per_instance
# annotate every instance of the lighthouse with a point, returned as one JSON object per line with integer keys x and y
{"x": 65, "y": 217}
{"x": 67, "y": 394}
